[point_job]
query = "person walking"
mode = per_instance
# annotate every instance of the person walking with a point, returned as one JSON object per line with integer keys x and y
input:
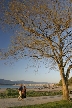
{"x": 24, "y": 92}
{"x": 20, "y": 92}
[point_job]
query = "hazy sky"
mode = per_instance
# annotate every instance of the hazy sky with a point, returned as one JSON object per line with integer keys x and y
{"x": 23, "y": 69}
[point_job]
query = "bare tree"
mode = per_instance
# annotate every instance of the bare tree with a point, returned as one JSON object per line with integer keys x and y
{"x": 44, "y": 30}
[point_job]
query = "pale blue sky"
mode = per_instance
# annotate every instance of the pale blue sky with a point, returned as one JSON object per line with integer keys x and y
{"x": 21, "y": 69}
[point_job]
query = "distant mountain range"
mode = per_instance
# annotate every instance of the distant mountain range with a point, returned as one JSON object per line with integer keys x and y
{"x": 3, "y": 81}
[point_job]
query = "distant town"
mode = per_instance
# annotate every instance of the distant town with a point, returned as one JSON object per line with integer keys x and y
{"x": 28, "y": 83}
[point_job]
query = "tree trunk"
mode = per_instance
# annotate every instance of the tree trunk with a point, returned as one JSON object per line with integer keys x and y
{"x": 65, "y": 91}
{"x": 64, "y": 85}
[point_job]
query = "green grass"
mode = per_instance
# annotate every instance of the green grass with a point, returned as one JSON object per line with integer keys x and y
{"x": 9, "y": 93}
{"x": 59, "y": 104}
{"x": 43, "y": 93}
{"x": 13, "y": 93}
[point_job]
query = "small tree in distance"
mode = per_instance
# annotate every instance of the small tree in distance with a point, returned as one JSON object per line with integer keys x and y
{"x": 44, "y": 30}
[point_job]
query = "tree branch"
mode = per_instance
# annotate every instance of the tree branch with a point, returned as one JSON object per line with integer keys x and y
{"x": 68, "y": 58}
{"x": 68, "y": 71}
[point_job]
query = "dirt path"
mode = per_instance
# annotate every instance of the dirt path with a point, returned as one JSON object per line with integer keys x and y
{"x": 11, "y": 102}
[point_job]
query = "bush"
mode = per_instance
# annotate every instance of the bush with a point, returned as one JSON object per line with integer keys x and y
{"x": 13, "y": 93}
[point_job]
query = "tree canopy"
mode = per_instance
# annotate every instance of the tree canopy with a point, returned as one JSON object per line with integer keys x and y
{"x": 43, "y": 27}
